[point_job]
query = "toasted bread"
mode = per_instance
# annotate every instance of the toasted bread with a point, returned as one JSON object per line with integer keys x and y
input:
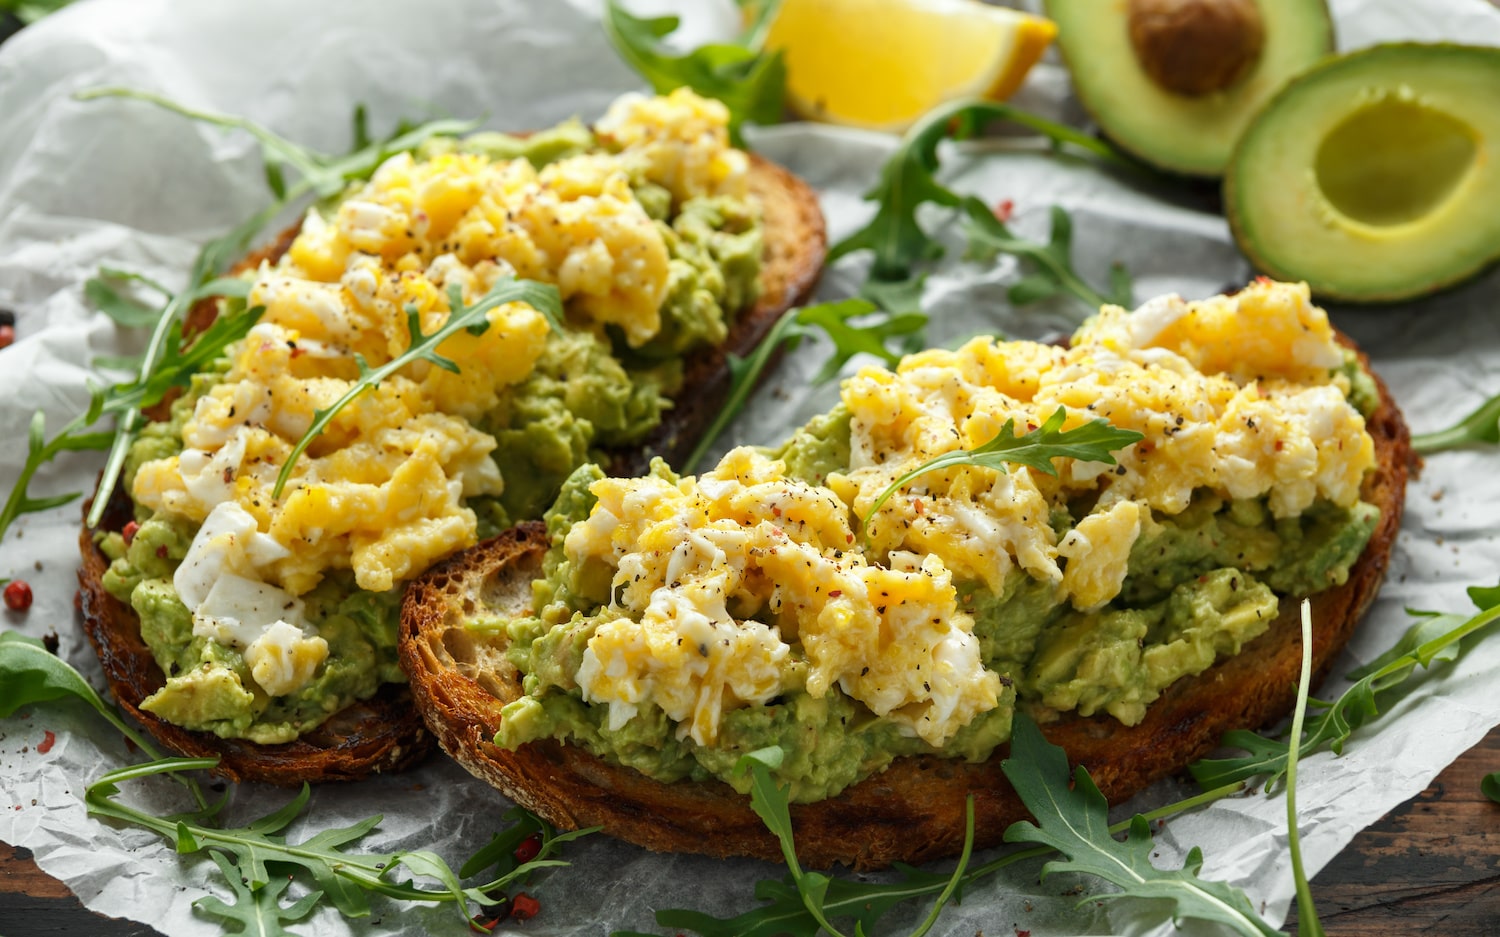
{"x": 384, "y": 733}
{"x": 914, "y": 810}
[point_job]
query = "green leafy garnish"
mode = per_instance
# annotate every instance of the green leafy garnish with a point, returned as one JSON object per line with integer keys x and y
{"x": 256, "y": 911}
{"x": 1491, "y": 786}
{"x": 258, "y": 853}
{"x": 474, "y": 318}
{"x": 854, "y": 326}
{"x": 1480, "y": 428}
{"x": 32, "y": 674}
{"x": 1337, "y": 720}
{"x": 1308, "y": 924}
{"x": 1074, "y": 820}
{"x": 256, "y": 859}
{"x": 1094, "y": 441}
{"x": 319, "y": 173}
{"x": 749, "y": 81}
{"x": 899, "y": 244}
{"x": 175, "y": 368}
{"x": 1054, "y": 273}
{"x": 786, "y": 909}
{"x": 805, "y": 903}
{"x": 29, "y": 674}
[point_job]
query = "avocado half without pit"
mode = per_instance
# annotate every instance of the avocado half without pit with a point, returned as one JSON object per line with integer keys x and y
{"x": 1376, "y": 175}
{"x": 1176, "y": 82}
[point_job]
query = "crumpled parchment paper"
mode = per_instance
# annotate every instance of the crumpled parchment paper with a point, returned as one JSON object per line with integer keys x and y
{"x": 125, "y": 184}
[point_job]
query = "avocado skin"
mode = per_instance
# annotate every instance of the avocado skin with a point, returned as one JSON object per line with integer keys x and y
{"x": 1165, "y": 148}
{"x": 1381, "y": 60}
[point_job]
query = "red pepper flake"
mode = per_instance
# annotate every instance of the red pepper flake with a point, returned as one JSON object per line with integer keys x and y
{"x": 1278, "y": 445}
{"x": 1022, "y": 933}
{"x": 848, "y": 538}
{"x": 835, "y": 593}
{"x": 1005, "y": 209}
{"x": 917, "y": 506}
{"x": 7, "y": 336}
{"x": 161, "y": 552}
{"x": 129, "y": 532}
{"x": 47, "y": 742}
{"x": 529, "y": 848}
{"x": 775, "y": 511}
{"x": 18, "y": 596}
{"x": 523, "y": 907}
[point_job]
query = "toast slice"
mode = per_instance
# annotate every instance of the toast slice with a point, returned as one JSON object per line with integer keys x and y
{"x": 914, "y": 810}
{"x": 384, "y": 733}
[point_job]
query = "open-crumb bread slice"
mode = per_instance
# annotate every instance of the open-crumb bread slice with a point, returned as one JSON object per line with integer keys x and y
{"x": 914, "y": 810}
{"x": 384, "y": 733}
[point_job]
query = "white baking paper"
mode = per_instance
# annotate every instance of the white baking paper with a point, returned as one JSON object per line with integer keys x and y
{"x": 121, "y": 183}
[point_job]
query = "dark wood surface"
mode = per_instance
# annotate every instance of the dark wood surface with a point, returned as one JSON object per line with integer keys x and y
{"x": 1431, "y": 866}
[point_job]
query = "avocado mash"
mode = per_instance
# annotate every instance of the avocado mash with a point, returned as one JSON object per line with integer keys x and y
{"x": 604, "y": 382}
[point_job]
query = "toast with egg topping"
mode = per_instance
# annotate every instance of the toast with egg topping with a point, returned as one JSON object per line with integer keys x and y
{"x": 658, "y": 267}
{"x": 575, "y": 665}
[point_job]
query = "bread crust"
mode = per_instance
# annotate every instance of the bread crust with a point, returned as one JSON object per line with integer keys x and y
{"x": 914, "y": 810}
{"x": 384, "y": 733}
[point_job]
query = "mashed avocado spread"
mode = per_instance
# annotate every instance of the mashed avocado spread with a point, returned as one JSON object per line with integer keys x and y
{"x": 267, "y": 614}
{"x": 682, "y": 622}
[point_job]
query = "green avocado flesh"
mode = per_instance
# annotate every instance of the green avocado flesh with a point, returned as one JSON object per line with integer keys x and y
{"x": 588, "y": 392}
{"x": 1374, "y": 177}
{"x": 1201, "y": 584}
{"x": 1193, "y": 135}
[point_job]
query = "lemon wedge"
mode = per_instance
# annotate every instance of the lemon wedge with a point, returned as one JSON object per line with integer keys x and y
{"x": 881, "y": 64}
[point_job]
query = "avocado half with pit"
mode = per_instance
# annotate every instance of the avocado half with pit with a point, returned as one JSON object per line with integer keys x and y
{"x": 1375, "y": 176}
{"x": 1176, "y": 82}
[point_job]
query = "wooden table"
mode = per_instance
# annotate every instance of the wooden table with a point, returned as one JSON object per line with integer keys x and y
{"x": 1431, "y": 866}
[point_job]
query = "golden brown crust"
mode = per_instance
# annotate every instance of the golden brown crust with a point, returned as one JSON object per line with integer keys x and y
{"x": 913, "y": 811}
{"x": 385, "y": 733}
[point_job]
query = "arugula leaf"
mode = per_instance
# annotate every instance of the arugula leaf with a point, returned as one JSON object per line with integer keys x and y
{"x": 1075, "y": 821}
{"x": 1482, "y": 427}
{"x": 988, "y": 236}
{"x": 802, "y": 904}
{"x": 751, "y": 83}
{"x": 1094, "y": 441}
{"x": 1491, "y": 786}
{"x": 253, "y": 851}
{"x": 29, "y": 11}
{"x": 319, "y": 173}
{"x": 1308, "y": 924}
{"x": 123, "y": 309}
{"x": 870, "y": 338}
{"x": 255, "y": 911}
{"x": 29, "y": 674}
{"x": 540, "y": 296}
{"x": 174, "y": 368}
{"x": 854, "y": 326}
{"x": 908, "y": 180}
{"x": 1357, "y": 705}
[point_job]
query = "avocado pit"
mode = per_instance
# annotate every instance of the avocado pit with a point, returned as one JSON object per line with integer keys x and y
{"x": 1196, "y": 47}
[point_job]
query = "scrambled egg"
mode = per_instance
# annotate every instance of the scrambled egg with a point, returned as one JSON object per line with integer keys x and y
{"x": 382, "y": 489}
{"x": 746, "y": 537}
{"x": 743, "y": 583}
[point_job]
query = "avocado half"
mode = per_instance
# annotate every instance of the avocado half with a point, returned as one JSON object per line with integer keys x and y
{"x": 1188, "y": 133}
{"x": 1375, "y": 176}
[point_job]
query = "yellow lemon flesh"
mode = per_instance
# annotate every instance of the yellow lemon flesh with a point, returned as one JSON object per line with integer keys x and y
{"x": 881, "y": 64}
